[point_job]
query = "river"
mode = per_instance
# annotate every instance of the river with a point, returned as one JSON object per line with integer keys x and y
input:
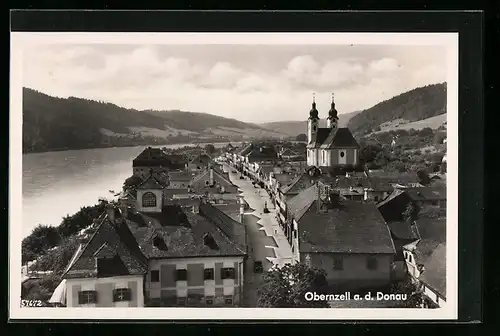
{"x": 56, "y": 184}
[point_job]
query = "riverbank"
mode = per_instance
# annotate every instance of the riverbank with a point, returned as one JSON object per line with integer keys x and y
{"x": 168, "y": 144}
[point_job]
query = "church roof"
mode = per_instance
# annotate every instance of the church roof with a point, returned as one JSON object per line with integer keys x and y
{"x": 340, "y": 138}
{"x": 319, "y": 137}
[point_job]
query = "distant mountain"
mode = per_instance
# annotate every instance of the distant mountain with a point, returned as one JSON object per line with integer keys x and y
{"x": 294, "y": 128}
{"x": 405, "y": 109}
{"x": 51, "y": 123}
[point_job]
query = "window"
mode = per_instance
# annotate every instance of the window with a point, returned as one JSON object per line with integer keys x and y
{"x": 209, "y": 300}
{"x": 106, "y": 266}
{"x": 371, "y": 263}
{"x": 86, "y": 297}
{"x": 122, "y": 294}
{"x": 314, "y": 128}
{"x": 228, "y": 300}
{"x": 181, "y": 301}
{"x": 181, "y": 275}
{"x": 208, "y": 274}
{"x": 410, "y": 258}
{"x": 342, "y": 154}
{"x": 227, "y": 273}
{"x": 155, "y": 276}
{"x": 148, "y": 200}
{"x": 376, "y": 198}
{"x": 338, "y": 263}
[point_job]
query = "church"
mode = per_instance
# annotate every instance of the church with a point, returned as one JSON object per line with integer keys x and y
{"x": 331, "y": 147}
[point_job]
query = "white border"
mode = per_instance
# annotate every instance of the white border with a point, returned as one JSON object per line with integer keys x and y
{"x": 20, "y": 40}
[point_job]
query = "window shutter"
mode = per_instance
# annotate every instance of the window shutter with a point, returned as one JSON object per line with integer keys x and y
{"x": 94, "y": 296}
{"x": 222, "y": 275}
{"x": 115, "y": 295}
{"x": 80, "y": 297}
{"x": 128, "y": 294}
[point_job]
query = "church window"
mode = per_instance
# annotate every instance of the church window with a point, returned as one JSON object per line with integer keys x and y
{"x": 342, "y": 154}
{"x": 149, "y": 200}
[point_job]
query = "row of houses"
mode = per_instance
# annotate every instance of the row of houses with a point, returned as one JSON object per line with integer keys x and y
{"x": 173, "y": 238}
{"x": 364, "y": 228}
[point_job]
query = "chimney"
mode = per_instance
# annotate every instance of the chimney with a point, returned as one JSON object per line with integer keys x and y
{"x": 211, "y": 176}
{"x": 111, "y": 212}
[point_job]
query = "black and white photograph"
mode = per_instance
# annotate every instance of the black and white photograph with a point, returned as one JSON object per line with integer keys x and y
{"x": 198, "y": 174}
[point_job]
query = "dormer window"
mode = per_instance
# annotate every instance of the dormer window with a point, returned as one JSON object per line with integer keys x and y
{"x": 105, "y": 266}
{"x": 149, "y": 200}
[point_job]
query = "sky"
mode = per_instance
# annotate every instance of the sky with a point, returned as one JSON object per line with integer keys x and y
{"x": 252, "y": 83}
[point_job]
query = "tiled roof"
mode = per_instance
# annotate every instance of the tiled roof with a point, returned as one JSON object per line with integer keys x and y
{"x": 231, "y": 209}
{"x": 298, "y": 184}
{"x": 319, "y": 137}
{"x": 180, "y": 176}
{"x": 154, "y": 157}
{"x": 182, "y": 240}
{"x": 245, "y": 150}
{"x": 385, "y": 181}
{"x": 351, "y": 227}
{"x": 434, "y": 274}
{"x": 152, "y": 182}
{"x": 392, "y": 196}
{"x": 221, "y": 177}
{"x": 114, "y": 238}
{"x": 343, "y": 182}
{"x": 231, "y": 229}
{"x": 340, "y": 138}
{"x": 262, "y": 153}
{"x": 299, "y": 204}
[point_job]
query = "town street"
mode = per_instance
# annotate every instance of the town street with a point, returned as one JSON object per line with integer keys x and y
{"x": 266, "y": 242}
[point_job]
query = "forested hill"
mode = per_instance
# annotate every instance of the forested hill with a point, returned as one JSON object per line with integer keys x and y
{"x": 51, "y": 123}
{"x": 418, "y": 104}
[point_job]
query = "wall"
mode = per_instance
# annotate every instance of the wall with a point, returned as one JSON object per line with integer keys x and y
{"x": 104, "y": 288}
{"x": 159, "y": 201}
{"x": 169, "y": 289}
{"x": 355, "y": 273}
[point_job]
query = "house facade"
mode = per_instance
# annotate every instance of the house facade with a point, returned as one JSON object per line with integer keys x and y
{"x": 159, "y": 253}
{"x": 348, "y": 239}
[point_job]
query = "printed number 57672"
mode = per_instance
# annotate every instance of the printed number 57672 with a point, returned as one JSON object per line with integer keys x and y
{"x": 31, "y": 303}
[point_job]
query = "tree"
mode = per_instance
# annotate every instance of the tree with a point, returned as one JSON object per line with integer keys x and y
{"x": 423, "y": 177}
{"x": 286, "y": 287}
{"x": 414, "y": 295}
{"x": 439, "y": 138}
{"x": 58, "y": 258}
{"x": 411, "y": 212}
{"x": 209, "y": 148}
{"x": 132, "y": 181}
{"x": 42, "y": 238}
{"x": 301, "y": 137}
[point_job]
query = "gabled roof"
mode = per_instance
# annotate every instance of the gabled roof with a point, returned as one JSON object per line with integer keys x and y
{"x": 263, "y": 152}
{"x": 434, "y": 274}
{"x": 319, "y": 138}
{"x": 156, "y": 157}
{"x": 221, "y": 177}
{"x": 299, "y": 204}
{"x": 340, "y": 138}
{"x": 152, "y": 182}
{"x": 182, "y": 238}
{"x": 109, "y": 238}
{"x": 298, "y": 184}
{"x": 180, "y": 176}
{"x": 350, "y": 227}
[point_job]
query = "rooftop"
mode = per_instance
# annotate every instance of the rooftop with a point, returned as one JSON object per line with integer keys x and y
{"x": 347, "y": 227}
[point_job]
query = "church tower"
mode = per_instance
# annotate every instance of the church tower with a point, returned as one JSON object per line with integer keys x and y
{"x": 312, "y": 122}
{"x": 332, "y": 120}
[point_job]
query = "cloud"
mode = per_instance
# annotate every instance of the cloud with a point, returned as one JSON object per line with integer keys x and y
{"x": 257, "y": 83}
